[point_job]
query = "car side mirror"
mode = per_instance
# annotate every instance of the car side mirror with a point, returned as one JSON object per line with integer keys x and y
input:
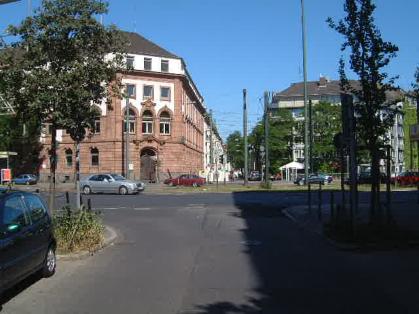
{"x": 9, "y": 229}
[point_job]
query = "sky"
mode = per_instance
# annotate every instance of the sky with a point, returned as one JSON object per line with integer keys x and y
{"x": 229, "y": 45}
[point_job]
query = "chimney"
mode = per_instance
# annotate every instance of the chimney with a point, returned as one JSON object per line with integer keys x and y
{"x": 323, "y": 81}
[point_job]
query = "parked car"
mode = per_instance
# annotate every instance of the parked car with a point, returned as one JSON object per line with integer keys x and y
{"x": 314, "y": 178}
{"x": 27, "y": 243}
{"x": 255, "y": 176}
{"x": 110, "y": 183}
{"x": 25, "y": 179}
{"x": 406, "y": 178}
{"x": 186, "y": 180}
{"x": 366, "y": 178}
{"x": 276, "y": 177}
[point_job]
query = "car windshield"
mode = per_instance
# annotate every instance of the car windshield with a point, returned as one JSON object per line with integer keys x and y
{"x": 117, "y": 177}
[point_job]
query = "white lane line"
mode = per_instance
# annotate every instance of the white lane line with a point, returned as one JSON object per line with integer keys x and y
{"x": 142, "y": 208}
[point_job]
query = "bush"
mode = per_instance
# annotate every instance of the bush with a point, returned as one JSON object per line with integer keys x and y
{"x": 79, "y": 230}
{"x": 266, "y": 185}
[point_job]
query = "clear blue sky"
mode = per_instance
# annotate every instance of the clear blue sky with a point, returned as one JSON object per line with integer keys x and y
{"x": 229, "y": 45}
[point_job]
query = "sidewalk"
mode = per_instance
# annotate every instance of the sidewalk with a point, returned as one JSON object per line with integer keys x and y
{"x": 405, "y": 214}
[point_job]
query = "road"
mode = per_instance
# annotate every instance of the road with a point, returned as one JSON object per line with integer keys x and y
{"x": 219, "y": 253}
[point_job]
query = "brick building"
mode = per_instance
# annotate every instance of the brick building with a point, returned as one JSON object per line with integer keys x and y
{"x": 166, "y": 123}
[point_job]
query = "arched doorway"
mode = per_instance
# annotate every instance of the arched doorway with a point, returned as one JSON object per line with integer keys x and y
{"x": 148, "y": 165}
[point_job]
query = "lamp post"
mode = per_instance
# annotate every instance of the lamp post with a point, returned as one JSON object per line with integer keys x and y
{"x": 306, "y": 109}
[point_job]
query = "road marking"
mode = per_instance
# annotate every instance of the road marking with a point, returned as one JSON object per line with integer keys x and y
{"x": 143, "y": 208}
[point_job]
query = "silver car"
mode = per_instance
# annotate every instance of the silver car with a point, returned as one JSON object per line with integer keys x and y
{"x": 110, "y": 183}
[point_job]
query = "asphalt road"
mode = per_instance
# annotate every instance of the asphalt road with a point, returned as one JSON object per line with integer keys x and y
{"x": 219, "y": 253}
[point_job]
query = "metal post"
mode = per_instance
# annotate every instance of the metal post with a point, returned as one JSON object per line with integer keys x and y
{"x": 319, "y": 208}
{"x": 388, "y": 189}
{"x": 310, "y": 149}
{"x": 78, "y": 195}
{"x": 266, "y": 96}
{"x": 306, "y": 117}
{"x": 245, "y": 137}
{"x": 127, "y": 136}
{"x": 211, "y": 142}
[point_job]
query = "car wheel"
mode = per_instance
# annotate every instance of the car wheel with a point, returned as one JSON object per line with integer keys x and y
{"x": 300, "y": 183}
{"x": 50, "y": 263}
{"x": 171, "y": 184}
{"x": 87, "y": 190}
{"x": 195, "y": 184}
{"x": 123, "y": 190}
{"x": 27, "y": 183}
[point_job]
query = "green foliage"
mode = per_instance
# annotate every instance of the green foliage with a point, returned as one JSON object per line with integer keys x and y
{"x": 57, "y": 70}
{"x": 410, "y": 156}
{"x": 78, "y": 230}
{"x": 235, "y": 144}
{"x": 327, "y": 122}
{"x": 369, "y": 54}
{"x": 25, "y": 144}
{"x": 281, "y": 127}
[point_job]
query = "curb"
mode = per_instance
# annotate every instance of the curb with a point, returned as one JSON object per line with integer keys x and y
{"x": 84, "y": 254}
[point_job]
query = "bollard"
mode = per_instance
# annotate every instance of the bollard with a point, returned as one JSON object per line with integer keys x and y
{"x": 332, "y": 206}
{"x": 89, "y": 205}
{"x": 319, "y": 209}
{"x": 37, "y": 191}
{"x": 67, "y": 198}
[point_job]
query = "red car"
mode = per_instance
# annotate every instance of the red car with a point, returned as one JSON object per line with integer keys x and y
{"x": 407, "y": 178}
{"x": 186, "y": 179}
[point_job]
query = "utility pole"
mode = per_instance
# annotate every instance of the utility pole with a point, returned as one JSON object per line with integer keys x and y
{"x": 306, "y": 109}
{"x": 245, "y": 137}
{"x": 211, "y": 144}
{"x": 127, "y": 136}
{"x": 266, "y": 97}
{"x": 311, "y": 138}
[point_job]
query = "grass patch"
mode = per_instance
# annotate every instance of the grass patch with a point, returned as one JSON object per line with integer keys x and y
{"x": 77, "y": 231}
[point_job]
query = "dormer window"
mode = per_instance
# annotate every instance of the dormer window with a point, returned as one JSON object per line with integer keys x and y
{"x": 165, "y": 65}
{"x": 130, "y": 62}
{"x": 147, "y": 64}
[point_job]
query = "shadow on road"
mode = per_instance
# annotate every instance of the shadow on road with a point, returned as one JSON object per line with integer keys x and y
{"x": 297, "y": 272}
{"x": 18, "y": 288}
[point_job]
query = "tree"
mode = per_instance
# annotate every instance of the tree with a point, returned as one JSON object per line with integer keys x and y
{"x": 369, "y": 55}
{"x": 281, "y": 128}
{"x": 235, "y": 145}
{"x": 415, "y": 86}
{"x": 26, "y": 145}
{"x": 57, "y": 69}
{"x": 326, "y": 121}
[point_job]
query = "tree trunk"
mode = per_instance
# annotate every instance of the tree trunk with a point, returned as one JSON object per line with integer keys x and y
{"x": 53, "y": 166}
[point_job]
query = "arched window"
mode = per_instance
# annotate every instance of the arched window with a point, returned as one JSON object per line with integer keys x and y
{"x": 131, "y": 121}
{"x": 147, "y": 126}
{"x": 165, "y": 123}
{"x": 94, "y": 156}
{"x": 69, "y": 157}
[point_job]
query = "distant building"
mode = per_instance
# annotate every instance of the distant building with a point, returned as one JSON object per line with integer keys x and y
{"x": 326, "y": 90}
{"x": 166, "y": 122}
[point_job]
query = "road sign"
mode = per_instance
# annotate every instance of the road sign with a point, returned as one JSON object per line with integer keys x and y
{"x": 6, "y": 175}
{"x": 7, "y": 154}
{"x": 414, "y": 132}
